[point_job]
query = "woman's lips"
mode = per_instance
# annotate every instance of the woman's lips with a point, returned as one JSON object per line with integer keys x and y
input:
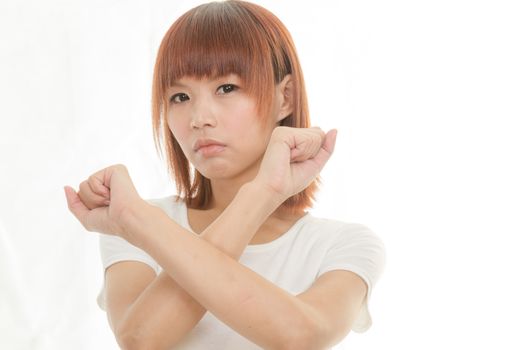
{"x": 210, "y": 150}
{"x": 208, "y": 147}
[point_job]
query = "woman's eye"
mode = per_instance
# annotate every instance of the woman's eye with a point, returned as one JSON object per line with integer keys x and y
{"x": 226, "y": 88}
{"x": 178, "y": 98}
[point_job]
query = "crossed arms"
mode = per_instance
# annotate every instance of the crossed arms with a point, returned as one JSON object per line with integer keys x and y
{"x": 202, "y": 273}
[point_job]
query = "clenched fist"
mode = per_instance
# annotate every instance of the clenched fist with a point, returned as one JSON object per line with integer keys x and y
{"x": 293, "y": 159}
{"x": 103, "y": 200}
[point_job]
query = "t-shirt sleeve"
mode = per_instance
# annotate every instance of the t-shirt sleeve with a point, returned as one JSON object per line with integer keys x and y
{"x": 358, "y": 249}
{"x": 114, "y": 249}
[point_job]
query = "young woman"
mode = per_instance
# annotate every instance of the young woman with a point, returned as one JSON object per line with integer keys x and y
{"x": 230, "y": 112}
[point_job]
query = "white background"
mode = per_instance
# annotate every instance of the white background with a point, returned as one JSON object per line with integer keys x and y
{"x": 429, "y": 101}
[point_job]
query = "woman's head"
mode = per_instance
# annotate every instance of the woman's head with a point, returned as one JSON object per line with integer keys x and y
{"x": 215, "y": 40}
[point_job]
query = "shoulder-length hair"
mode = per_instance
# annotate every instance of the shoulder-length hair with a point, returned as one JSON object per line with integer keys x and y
{"x": 214, "y": 40}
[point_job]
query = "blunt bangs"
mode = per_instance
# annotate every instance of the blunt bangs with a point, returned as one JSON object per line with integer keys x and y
{"x": 218, "y": 39}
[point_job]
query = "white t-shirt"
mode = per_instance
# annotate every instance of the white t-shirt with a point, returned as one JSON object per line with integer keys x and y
{"x": 293, "y": 261}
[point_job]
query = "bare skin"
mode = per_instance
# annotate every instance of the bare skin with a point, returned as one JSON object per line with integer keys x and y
{"x": 268, "y": 164}
{"x": 274, "y": 227}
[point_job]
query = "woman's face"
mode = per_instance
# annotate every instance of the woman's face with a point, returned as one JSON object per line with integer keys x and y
{"x": 216, "y": 124}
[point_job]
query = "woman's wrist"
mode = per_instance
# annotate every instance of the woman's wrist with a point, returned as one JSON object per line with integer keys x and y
{"x": 256, "y": 190}
{"x": 134, "y": 217}
{"x": 265, "y": 193}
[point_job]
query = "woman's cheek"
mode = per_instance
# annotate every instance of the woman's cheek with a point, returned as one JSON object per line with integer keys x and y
{"x": 174, "y": 128}
{"x": 178, "y": 133}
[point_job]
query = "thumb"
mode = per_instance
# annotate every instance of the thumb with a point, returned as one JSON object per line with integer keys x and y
{"x": 329, "y": 143}
{"x": 326, "y": 150}
{"x": 75, "y": 205}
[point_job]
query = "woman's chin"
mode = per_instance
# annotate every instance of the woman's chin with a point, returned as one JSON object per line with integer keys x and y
{"x": 215, "y": 172}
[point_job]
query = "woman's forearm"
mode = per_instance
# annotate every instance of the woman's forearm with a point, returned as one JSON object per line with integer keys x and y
{"x": 165, "y": 312}
{"x": 239, "y": 297}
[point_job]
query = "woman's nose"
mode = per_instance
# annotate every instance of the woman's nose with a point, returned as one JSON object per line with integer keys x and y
{"x": 203, "y": 115}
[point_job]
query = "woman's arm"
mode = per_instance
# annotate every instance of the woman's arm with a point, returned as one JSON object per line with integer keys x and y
{"x": 108, "y": 202}
{"x": 164, "y": 312}
{"x": 251, "y": 305}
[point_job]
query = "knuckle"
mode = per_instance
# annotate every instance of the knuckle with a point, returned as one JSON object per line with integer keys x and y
{"x": 120, "y": 167}
{"x": 91, "y": 180}
{"x": 82, "y": 186}
{"x": 279, "y": 132}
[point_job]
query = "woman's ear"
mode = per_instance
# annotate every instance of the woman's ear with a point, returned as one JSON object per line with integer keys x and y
{"x": 285, "y": 98}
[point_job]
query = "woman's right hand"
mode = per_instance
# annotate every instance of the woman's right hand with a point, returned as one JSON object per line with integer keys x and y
{"x": 104, "y": 200}
{"x": 293, "y": 159}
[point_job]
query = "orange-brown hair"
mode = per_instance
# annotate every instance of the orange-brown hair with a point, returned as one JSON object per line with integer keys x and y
{"x": 214, "y": 40}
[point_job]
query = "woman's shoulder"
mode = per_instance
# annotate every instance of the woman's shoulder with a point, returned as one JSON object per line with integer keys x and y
{"x": 337, "y": 232}
{"x": 350, "y": 241}
{"x": 337, "y": 226}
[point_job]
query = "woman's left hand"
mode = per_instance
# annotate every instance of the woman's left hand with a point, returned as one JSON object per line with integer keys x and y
{"x": 293, "y": 159}
{"x": 103, "y": 200}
